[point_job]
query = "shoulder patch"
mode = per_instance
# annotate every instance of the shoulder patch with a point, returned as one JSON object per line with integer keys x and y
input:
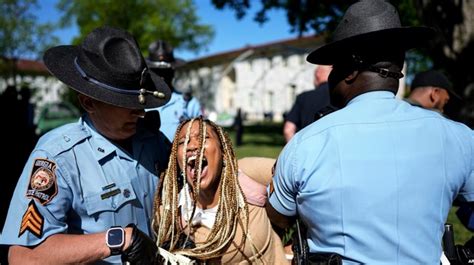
{"x": 32, "y": 221}
{"x": 42, "y": 185}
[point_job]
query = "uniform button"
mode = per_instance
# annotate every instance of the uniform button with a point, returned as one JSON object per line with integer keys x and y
{"x": 126, "y": 193}
{"x": 145, "y": 193}
{"x": 66, "y": 138}
{"x": 114, "y": 205}
{"x": 100, "y": 149}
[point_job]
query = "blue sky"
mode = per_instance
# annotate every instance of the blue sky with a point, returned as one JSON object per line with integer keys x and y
{"x": 230, "y": 33}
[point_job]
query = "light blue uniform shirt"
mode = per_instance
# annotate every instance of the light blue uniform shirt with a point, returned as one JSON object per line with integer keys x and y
{"x": 98, "y": 185}
{"x": 375, "y": 180}
{"x": 175, "y": 111}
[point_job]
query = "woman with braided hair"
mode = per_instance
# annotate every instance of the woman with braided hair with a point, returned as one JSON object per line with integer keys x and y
{"x": 201, "y": 208}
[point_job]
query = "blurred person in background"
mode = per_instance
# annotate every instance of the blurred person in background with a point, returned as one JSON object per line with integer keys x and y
{"x": 308, "y": 104}
{"x": 431, "y": 90}
{"x": 182, "y": 106}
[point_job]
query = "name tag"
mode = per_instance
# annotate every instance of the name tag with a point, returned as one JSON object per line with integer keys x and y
{"x": 110, "y": 194}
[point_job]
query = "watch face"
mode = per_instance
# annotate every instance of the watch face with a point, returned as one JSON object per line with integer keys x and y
{"x": 115, "y": 237}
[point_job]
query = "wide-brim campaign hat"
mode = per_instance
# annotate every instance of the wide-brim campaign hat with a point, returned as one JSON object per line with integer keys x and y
{"x": 108, "y": 66}
{"x": 373, "y": 26}
{"x": 161, "y": 56}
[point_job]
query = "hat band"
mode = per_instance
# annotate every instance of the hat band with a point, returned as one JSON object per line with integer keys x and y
{"x": 103, "y": 85}
{"x": 141, "y": 92}
{"x": 383, "y": 72}
{"x": 159, "y": 64}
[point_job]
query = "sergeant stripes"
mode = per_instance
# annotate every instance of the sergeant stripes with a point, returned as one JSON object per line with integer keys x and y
{"x": 32, "y": 221}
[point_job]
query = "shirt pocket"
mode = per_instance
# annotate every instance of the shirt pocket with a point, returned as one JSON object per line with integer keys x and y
{"x": 111, "y": 200}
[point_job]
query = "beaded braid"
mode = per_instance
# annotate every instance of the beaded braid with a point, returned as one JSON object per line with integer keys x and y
{"x": 232, "y": 210}
{"x": 170, "y": 213}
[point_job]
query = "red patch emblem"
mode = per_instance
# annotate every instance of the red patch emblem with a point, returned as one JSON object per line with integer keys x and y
{"x": 42, "y": 185}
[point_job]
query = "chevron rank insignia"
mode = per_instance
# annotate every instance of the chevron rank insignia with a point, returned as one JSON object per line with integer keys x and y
{"x": 42, "y": 185}
{"x": 32, "y": 221}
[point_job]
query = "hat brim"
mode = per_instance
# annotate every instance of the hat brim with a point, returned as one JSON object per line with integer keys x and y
{"x": 178, "y": 62}
{"x": 453, "y": 93}
{"x": 404, "y": 38}
{"x": 60, "y": 62}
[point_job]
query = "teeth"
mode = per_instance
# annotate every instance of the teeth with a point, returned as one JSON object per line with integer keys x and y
{"x": 191, "y": 160}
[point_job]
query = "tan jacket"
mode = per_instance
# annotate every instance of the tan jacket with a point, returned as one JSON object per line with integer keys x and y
{"x": 269, "y": 249}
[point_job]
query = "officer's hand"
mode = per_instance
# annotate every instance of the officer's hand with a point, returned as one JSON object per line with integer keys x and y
{"x": 141, "y": 250}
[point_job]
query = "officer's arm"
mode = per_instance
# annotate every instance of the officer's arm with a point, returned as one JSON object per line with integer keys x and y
{"x": 65, "y": 249}
{"x": 289, "y": 129}
{"x": 279, "y": 220}
{"x": 281, "y": 202}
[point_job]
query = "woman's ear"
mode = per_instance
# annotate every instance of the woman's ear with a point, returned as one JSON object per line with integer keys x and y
{"x": 87, "y": 103}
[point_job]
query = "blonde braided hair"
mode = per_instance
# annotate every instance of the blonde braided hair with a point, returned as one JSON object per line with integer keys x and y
{"x": 232, "y": 209}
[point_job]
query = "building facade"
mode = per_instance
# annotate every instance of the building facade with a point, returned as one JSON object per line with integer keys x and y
{"x": 263, "y": 81}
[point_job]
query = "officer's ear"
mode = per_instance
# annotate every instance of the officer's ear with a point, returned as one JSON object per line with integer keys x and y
{"x": 86, "y": 102}
{"x": 351, "y": 77}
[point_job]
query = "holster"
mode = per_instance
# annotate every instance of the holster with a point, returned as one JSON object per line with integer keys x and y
{"x": 300, "y": 245}
{"x": 324, "y": 259}
{"x": 301, "y": 255}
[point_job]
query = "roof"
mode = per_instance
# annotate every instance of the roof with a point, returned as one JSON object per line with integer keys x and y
{"x": 33, "y": 66}
{"x": 25, "y": 66}
{"x": 300, "y": 45}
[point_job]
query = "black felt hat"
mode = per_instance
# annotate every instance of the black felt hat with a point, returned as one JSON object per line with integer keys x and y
{"x": 433, "y": 78}
{"x": 108, "y": 66}
{"x": 373, "y": 26}
{"x": 161, "y": 56}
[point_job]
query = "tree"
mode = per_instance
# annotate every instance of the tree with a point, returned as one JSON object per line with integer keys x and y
{"x": 21, "y": 35}
{"x": 172, "y": 20}
{"x": 451, "y": 51}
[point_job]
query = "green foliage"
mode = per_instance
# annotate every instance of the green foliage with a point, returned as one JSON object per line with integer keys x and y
{"x": 461, "y": 234}
{"x": 21, "y": 36}
{"x": 311, "y": 15}
{"x": 20, "y": 33}
{"x": 302, "y": 16}
{"x": 172, "y": 20}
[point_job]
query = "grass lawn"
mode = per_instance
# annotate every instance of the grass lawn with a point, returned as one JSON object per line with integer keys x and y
{"x": 262, "y": 139}
{"x": 266, "y": 139}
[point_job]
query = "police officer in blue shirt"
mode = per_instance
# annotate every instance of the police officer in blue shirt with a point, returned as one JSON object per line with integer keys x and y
{"x": 86, "y": 191}
{"x": 374, "y": 181}
{"x": 182, "y": 106}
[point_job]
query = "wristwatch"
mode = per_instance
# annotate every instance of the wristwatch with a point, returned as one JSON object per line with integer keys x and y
{"x": 115, "y": 239}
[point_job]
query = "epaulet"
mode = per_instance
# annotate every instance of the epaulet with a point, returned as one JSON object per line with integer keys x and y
{"x": 63, "y": 138}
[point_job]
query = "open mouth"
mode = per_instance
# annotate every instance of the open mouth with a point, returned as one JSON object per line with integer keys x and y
{"x": 191, "y": 167}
